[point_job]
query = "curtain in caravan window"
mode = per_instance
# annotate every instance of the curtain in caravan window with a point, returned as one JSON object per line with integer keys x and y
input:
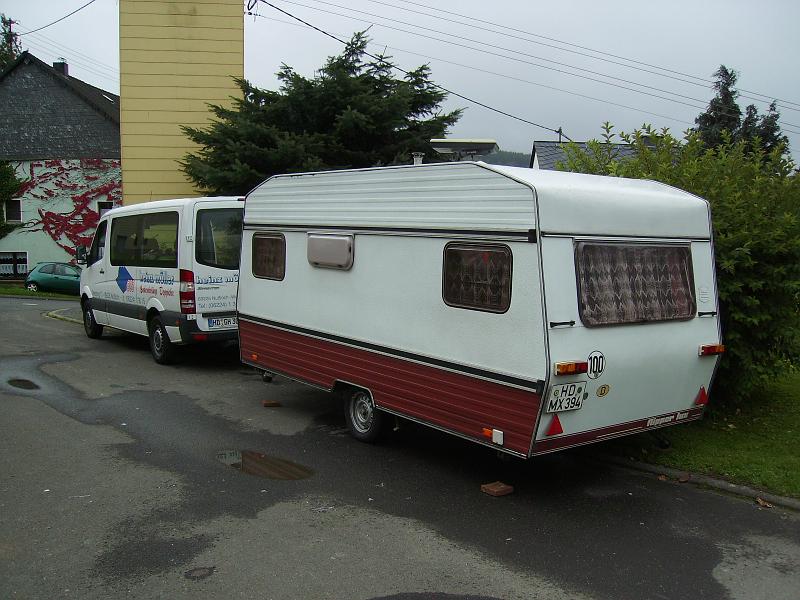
{"x": 634, "y": 283}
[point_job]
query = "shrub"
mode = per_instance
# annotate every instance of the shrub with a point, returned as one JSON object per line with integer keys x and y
{"x": 755, "y": 204}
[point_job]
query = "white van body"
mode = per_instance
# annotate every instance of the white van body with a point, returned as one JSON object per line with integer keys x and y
{"x": 167, "y": 269}
{"x": 453, "y": 294}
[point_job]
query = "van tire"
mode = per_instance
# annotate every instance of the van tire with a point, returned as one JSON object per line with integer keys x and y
{"x": 92, "y": 328}
{"x": 365, "y": 422}
{"x": 161, "y": 348}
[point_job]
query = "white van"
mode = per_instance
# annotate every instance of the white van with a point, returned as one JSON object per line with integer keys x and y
{"x": 523, "y": 309}
{"x": 167, "y": 269}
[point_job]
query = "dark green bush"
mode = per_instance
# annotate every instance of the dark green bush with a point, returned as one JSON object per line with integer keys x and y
{"x": 755, "y": 204}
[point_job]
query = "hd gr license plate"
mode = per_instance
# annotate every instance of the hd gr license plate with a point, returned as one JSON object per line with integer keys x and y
{"x": 566, "y": 396}
{"x": 221, "y": 322}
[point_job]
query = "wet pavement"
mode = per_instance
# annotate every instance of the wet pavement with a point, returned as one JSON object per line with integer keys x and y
{"x": 121, "y": 476}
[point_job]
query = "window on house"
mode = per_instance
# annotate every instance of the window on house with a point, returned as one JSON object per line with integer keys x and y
{"x": 269, "y": 256}
{"x": 634, "y": 283}
{"x": 477, "y": 277}
{"x": 104, "y": 207}
{"x": 14, "y": 210}
{"x": 13, "y": 264}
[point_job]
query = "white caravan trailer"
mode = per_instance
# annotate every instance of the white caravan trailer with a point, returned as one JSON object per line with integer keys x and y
{"x": 166, "y": 269}
{"x": 526, "y": 310}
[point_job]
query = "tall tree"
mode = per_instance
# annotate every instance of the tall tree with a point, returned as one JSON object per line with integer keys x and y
{"x": 9, "y": 186}
{"x": 10, "y": 48}
{"x": 353, "y": 113}
{"x": 724, "y": 115}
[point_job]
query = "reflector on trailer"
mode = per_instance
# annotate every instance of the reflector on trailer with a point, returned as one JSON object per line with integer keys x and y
{"x": 555, "y": 426}
{"x": 702, "y": 397}
{"x": 571, "y": 368}
{"x": 711, "y": 349}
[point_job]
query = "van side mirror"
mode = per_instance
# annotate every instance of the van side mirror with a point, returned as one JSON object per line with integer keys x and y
{"x": 80, "y": 255}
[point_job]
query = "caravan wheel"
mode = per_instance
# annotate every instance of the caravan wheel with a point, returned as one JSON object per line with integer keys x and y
{"x": 364, "y": 421}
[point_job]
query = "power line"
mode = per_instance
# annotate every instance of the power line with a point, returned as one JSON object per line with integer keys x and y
{"x": 502, "y": 75}
{"x": 704, "y": 80}
{"x": 43, "y": 39}
{"x": 559, "y": 131}
{"x": 701, "y": 105}
{"x": 59, "y": 20}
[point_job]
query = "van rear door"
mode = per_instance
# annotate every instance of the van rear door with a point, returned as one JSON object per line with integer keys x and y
{"x": 217, "y": 241}
{"x": 631, "y": 314}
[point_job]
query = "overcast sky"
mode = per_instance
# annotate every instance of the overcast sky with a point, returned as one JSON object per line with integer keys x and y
{"x": 540, "y": 61}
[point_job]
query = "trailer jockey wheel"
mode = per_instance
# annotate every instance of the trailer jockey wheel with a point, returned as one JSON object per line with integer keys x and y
{"x": 364, "y": 421}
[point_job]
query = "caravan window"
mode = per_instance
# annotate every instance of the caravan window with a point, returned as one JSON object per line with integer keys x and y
{"x": 148, "y": 240}
{"x": 269, "y": 256}
{"x": 477, "y": 277}
{"x": 634, "y": 283}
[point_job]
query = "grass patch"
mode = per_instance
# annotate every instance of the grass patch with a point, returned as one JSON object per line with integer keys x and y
{"x": 17, "y": 289}
{"x": 757, "y": 444}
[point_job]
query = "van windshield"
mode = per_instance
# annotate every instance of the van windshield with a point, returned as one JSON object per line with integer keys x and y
{"x": 218, "y": 237}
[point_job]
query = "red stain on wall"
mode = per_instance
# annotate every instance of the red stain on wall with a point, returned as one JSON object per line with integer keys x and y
{"x": 68, "y": 190}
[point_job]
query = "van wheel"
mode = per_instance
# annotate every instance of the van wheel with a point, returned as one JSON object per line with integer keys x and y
{"x": 364, "y": 421}
{"x": 162, "y": 349}
{"x": 90, "y": 326}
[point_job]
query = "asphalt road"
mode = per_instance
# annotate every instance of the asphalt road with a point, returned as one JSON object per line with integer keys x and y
{"x": 111, "y": 486}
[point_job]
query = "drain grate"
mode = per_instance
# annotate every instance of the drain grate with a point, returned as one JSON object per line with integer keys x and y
{"x": 23, "y": 384}
{"x": 261, "y": 465}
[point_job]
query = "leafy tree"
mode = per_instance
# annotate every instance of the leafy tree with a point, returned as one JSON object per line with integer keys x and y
{"x": 755, "y": 203}
{"x": 9, "y": 186}
{"x": 352, "y": 113}
{"x": 9, "y": 42}
{"x": 723, "y": 114}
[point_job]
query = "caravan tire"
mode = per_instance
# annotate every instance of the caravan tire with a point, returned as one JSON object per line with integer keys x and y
{"x": 364, "y": 421}
{"x": 92, "y": 328}
{"x": 161, "y": 348}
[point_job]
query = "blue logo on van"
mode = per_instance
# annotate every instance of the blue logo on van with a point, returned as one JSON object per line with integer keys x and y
{"x": 124, "y": 280}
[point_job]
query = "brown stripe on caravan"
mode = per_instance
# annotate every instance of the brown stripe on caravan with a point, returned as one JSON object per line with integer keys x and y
{"x": 456, "y": 402}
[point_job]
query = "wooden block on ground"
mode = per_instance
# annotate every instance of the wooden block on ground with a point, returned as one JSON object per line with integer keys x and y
{"x": 497, "y": 488}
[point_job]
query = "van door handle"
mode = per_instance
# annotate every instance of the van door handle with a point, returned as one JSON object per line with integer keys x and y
{"x": 102, "y": 271}
{"x": 560, "y": 323}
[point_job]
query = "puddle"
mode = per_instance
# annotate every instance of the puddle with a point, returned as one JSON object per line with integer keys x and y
{"x": 23, "y": 384}
{"x": 199, "y": 573}
{"x": 261, "y": 465}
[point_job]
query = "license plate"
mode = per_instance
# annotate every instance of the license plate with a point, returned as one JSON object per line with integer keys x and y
{"x": 566, "y": 396}
{"x": 221, "y": 322}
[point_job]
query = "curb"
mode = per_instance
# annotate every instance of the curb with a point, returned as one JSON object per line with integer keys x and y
{"x": 54, "y": 314}
{"x": 704, "y": 480}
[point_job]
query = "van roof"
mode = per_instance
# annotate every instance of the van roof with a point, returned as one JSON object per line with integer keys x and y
{"x": 171, "y": 203}
{"x": 474, "y": 196}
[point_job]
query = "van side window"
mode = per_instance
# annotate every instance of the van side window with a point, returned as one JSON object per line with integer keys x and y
{"x": 634, "y": 283}
{"x": 98, "y": 244}
{"x": 148, "y": 240}
{"x": 269, "y": 256}
{"x": 477, "y": 277}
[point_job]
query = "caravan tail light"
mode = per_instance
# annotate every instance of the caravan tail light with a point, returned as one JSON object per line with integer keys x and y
{"x": 571, "y": 368}
{"x": 186, "y": 292}
{"x": 711, "y": 349}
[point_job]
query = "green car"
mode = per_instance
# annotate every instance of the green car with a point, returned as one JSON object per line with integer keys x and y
{"x": 54, "y": 277}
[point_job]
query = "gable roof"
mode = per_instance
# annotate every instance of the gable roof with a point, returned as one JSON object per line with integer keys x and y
{"x": 550, "y": 153}
{"x": 102, "y": 101}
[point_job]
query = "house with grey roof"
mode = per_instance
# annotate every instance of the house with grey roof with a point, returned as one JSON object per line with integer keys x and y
{"x": 61, "y": 135}
{"x": 547, "y": 154}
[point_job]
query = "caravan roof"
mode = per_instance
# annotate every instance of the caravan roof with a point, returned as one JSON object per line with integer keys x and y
{"x": 476, "y": 197}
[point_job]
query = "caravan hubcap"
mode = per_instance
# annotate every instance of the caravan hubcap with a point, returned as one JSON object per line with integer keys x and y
{"x": 362, "y": 411}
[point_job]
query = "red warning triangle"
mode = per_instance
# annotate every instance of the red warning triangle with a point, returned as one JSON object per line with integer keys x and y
{"x": 702, "y": 397}
{"x": 554, "y": 427}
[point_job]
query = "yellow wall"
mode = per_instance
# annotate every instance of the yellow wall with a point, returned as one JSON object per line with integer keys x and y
{"x": 175, "y": 58}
